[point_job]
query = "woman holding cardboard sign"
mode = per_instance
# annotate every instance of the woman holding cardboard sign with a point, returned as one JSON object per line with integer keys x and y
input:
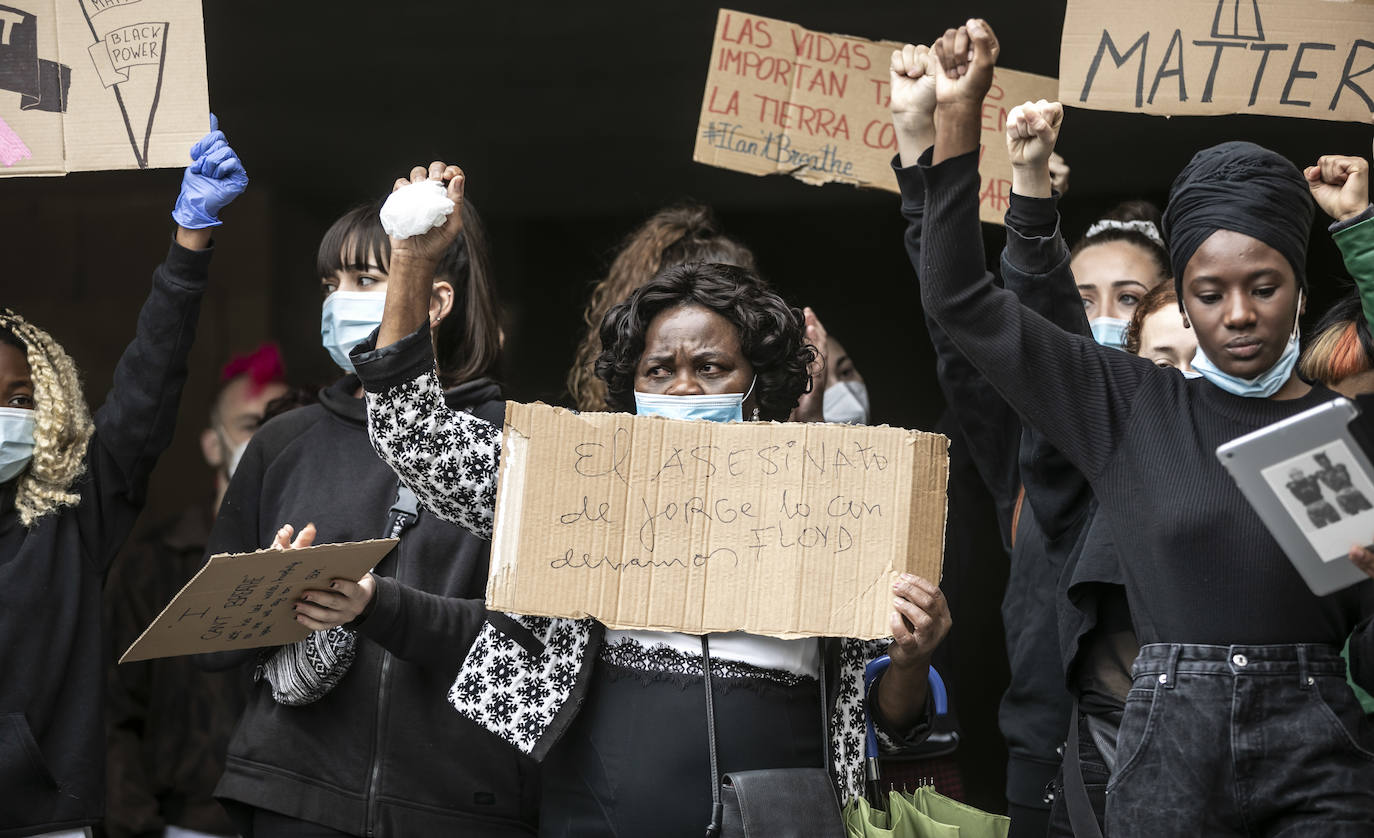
{"x": 624, "y": 745}
{"x": 1239, "y": 684}
{"x": 334, "y": 739}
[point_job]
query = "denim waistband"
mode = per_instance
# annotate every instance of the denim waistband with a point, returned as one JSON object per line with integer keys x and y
{"x": 1303, "y": 660}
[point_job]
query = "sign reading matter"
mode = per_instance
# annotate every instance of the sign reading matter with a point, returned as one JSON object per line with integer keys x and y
{"x": 100, "y": 84}
{"x": 1309, "y": 58}
{"x": 783, "y": 529}
{"x": 781, "y": 99}
{"x": 246, "y": 601}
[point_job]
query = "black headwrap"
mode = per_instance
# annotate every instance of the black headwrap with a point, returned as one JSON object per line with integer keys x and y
{"x": 1244, "y": 188}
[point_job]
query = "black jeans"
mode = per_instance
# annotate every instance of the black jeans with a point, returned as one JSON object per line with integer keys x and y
{"x": 1096, "y": 772}
{"x": 1241, "y": 740}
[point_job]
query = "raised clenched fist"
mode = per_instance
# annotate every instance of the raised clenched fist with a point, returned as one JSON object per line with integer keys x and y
{"x": 965, "y": 58}
{"x": 1340, "y": 185}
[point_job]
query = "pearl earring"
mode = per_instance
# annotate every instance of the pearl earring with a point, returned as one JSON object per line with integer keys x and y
{"x": 756, "y": 414}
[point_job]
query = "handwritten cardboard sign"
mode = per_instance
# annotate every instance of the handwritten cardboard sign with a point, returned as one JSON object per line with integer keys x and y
{"x": 100, "y": 84}
{"x": 781, "y": 99}
{"x": 245, "y": 601}
{"x": 1311, "y": 58}
{"x": 783, "y": 529}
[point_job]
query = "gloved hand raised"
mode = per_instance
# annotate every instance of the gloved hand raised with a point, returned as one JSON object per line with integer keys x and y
{"x": 214, "y": 178}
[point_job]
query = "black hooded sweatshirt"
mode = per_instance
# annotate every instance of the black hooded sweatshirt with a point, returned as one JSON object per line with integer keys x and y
{"x": 52, "y": 739}
{"x": 383, "y": 753}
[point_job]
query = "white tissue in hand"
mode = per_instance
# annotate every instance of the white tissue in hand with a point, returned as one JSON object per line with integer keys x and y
{"x": 416, "y": 209}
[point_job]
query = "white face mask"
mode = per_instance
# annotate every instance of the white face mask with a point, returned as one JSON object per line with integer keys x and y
{"x": 235, "y": 455}
{"x": 845, "y": 402}
{"x": 347, "y": 319}
{"x": 16, "y": 442}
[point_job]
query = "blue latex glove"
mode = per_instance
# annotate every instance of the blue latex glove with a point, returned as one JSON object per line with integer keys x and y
{"x": 214, "y": 178}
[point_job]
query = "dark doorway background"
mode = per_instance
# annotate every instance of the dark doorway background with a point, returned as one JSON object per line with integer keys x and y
{"x": 574, "y": 122}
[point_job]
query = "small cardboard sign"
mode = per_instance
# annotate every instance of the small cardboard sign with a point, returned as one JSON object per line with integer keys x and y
{"x": 781, "y": 99}
{"x": 1308, "y": 58}
{"x": 243, "y": 601}
{"x": 784, "y": 529}
{"x": 100, "y": 84}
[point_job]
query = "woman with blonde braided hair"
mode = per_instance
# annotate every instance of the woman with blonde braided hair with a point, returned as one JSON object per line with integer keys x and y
{"x": 62, "y": 422}
{"x": 71, "y": 487}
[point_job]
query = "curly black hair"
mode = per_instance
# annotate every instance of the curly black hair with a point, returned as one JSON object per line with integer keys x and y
{"x": 772, "y": 334}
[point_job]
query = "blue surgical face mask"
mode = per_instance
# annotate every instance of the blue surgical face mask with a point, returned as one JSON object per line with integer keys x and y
{"x": 1266, "y": 383}
{"x": 16, "y": 442}
{"x": 347, "y": 319}
{"x": 722, "y": 407}
{"x": 1110, "y": 331}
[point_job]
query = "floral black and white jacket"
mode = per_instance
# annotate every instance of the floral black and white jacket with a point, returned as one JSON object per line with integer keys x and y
{"x": 525, "y": 678}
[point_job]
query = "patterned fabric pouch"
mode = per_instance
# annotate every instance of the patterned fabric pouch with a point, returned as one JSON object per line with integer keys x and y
{"x": 305, "y": 671}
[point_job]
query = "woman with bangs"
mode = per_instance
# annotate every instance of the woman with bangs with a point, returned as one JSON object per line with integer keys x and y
{"x": 350, "y": 733}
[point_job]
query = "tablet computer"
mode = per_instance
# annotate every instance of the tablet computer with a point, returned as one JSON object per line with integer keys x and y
{"x": 1313, "y": 486}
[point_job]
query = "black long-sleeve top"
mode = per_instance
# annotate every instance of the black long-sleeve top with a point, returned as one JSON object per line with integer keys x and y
{"x": 52, "y": 742}
{"x": 1199, "y": 564}
{"x": 1034, "y": 711}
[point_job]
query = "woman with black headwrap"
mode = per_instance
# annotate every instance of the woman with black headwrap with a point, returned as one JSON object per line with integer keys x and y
{"x": 1239, "y": 720}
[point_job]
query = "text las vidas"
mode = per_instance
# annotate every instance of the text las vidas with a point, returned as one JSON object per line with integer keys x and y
{"x": 782, "y": 99}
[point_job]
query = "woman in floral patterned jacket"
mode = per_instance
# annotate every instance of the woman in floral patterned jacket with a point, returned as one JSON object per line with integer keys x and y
{"x": 616, "y": 716}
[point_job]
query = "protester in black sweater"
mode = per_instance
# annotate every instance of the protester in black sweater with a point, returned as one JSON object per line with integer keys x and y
{"x": 1214, "y": 599}
{"x": 1047, "y": 505}
{"x": 350, "y": 734}
{"x": 70, "y": 489}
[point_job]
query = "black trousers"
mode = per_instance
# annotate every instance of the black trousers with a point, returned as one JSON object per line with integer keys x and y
{"x": 1096, "y": 771}
{"x": 635, "y": 762}
{"x": 1241, "y": 740}
{"x": 1027, "y": 822}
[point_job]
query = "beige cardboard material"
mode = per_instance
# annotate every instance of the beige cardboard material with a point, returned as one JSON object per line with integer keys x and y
{"x": 100, "y": 84}
{"x": 781, "y": 99}
{"x": 784, "y": 529}
{"x": 1307, "y": 58}
{"x": 244, "y": 601}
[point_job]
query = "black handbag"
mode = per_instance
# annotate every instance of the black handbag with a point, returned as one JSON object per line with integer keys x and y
{"x": 771, "y": 802}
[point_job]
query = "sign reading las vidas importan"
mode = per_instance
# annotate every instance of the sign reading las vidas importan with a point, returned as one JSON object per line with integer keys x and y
{"x": 782, "y": 99}
{"x": 1306, "y": 58}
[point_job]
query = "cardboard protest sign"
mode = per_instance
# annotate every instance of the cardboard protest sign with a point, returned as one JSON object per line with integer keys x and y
{"x": 784, "y": 529}
{"x": 245, "y": 601}
{"x": 1310, "y": 58}
{"x": 100, "y": 84}
{"x": 781, "y": 99}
